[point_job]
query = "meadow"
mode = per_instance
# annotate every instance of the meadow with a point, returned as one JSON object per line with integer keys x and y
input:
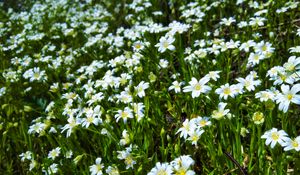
{"x": 149, "y": 87}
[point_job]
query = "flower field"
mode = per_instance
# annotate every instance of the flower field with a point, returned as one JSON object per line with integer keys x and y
{"x": 149, "y": 87}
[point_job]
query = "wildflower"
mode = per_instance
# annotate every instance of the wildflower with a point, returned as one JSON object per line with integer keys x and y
{"x": 258, "y": 118}
{"x": 202, "y": 121}
{"x": 124, "y": 97}
{"x": 186, "y": 128}
{"x": 176, "y": 86}
{"x": 247, "y": 45}
{"x": 254, "y": 59}
{"x": 138, "y": 109}
{"x": 264, "y": 48}
{"x": 293, "y": 64}
{"x": 125, "y": 114}
{"x": 225, "y": 91}
{"x": 295, "y": 49}
{"x": 288, "y": 95}
{"x": 54, "y": 153}
{"x": 35, "y": 74}
{"x": 112, "y": 170}
{"x": 97, "y": 168}
{"x": 142, "y": 86}
{"x": 214, "y": 75}
{"x": 72, "y": 122}
{"x": 36, "y": 128}
{"x": 257, "y": 21}
{"x": 27, "y": 155}
{"x": 137, "y": 46}
{"x": 161, "y": 169}
{"x": 163, "y": 63}
{"x": 227, "y": 22}
{"x": 127, "y": 157}
{"x": 183, "y": 161}
{"x": 2, "y": 91}
{"x": 274, "y": 136}
{"x": 194, "y": 135}
{"x": 249, "y": 83}
{"x": 32, "y": 164}
{"x": 165, "y": 43}
{"x": 92, "y": 116}
{"x": 244, "y": 131}
{"x": 197, "y": 87}
{"x": 125, "y": 138}
{"x": 291, "y": 144}
{"x": 265, "y": 95}
{"x": 52, "y": 169}
{"x": 69, "y": 154}
{"x": 221, "y": 112}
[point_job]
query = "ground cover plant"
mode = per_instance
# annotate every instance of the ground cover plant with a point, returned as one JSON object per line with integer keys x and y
{"x": 150, "y": 87}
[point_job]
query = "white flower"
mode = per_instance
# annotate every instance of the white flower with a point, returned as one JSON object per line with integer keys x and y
{"x": 194, "y": 135}
{"x": 72, "y": 122}
{"x": 127, "y": 157}
{"x": 265, "y": 95}
{"x": 202, "y": 121}
{"x": 112, "y": 170}
{"x": 54, "y": 153}
{"x": 165, "y": 43}
{"x": 225, "y": 91}
{"x": 249, "y": 83}
{"x": 197, "y": 87}
{"x": 292, "y": 64}
{"x": 292, "y": 144}
{"x": 142, "y": 86}
{"x": 254, "y": 59}
{"x": 176, "y": 86}
{"x": 161, "y": 169}
{"x": 97, "y": 168}
{"x": 187, "y": 127}
{"x": 214, "y": 75}
{"x": 274, "y": 136}
{"x": 92, "y": 116}
{"x": 52, "y": 169}
{"x": 288, "y": 95}
{"x": 27, "y": 155}
{"x": 125, "y": 114}
{"x": 36, "y": 128}
{"x": 138, "y": 109}
{"x": 183, "y": 161}
{"x": 221, "y": 112}
{"x": 125, "y": 138}
{"x": 295, "y": 49}
{"x": 227, "y": 22}
{"x": 163, "y": 63}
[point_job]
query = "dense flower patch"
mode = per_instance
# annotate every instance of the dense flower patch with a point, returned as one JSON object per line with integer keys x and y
{"x": 150, "y": 87}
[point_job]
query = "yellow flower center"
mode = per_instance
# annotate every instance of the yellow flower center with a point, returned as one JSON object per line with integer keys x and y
{"x": 36, "y": 75}
{"x": 295, "y": 144}
{"x": 138, "y": 46}
{"x": 203, "y": 123}
{"x": 89, "y": 119}
{"x": 264, "y": 48}
{"x": 124, "y": 114}
{"x": 162, "y": 172}
{"x": 198, "y": 87}
{"x": 166, "y": 44}
{"x": 181, "y": 172}
{"x": 290, "y": 96}
{"x": 275, "y": 136}
{"x": 99, "y": 167}
{"x": 226, "y": 91}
